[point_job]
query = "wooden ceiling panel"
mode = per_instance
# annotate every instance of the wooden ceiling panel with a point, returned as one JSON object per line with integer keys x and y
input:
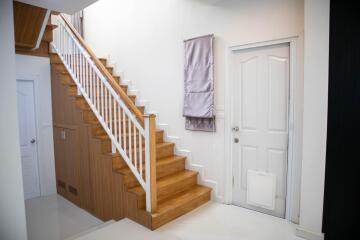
{"x": 28, "y": 21}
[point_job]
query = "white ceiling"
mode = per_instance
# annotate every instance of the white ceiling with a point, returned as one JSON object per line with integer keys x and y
{"x": 64, "y": 6}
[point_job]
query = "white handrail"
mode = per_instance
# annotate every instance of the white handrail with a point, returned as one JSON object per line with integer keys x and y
{"x": 122, "y": 127}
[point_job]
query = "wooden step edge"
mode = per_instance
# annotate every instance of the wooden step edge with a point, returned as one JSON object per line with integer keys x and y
{"x": 166, "y": 181}
{"x": 106, "y": 137}
{"x": 159, "y": 163}
{"x": 158, "y": 146}
{"x": 103, "y": 60}
{"x": 51, "y": 26}
{"x": 179, "y": 205}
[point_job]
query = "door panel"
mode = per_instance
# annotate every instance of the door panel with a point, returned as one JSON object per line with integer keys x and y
{"x": 261, "y": 99}
{"x": 249, "y": 93}
{"x": 278, "y": 93}
{"x": 27, "y": 132}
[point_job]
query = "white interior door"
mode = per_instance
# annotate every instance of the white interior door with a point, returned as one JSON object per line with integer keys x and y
{"x": 27, "y": 128}
{"x": 260, "y": 131}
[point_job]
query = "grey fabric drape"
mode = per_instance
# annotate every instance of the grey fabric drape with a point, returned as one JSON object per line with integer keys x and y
{"x": 198, "y": 106}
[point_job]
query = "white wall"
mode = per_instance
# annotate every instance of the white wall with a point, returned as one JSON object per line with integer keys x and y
{"x": 316, "y": 59}
{"x": 145, "y": 39}
{"x": 12, "y": 207}
{"x": 37, "y": 69}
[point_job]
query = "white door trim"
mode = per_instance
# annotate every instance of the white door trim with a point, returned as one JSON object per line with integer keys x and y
{"x": 293, "y": 183}
{"x": 34, "y": 79}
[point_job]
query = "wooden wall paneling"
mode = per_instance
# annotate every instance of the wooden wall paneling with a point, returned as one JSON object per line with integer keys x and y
{"x": 107, "y": 186}
{"x": 85, "y": 181}
{"x": 76, "y": 119}
{"x": 101, "y": 188}
{"x": 72, "y": 155}
{"x": 67, "y": 117}
{"x": 118, "y": 190}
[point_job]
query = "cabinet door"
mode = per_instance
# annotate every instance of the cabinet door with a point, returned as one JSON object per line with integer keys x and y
{"x": 60, "y": 160}
{"x": 72, "y": 156}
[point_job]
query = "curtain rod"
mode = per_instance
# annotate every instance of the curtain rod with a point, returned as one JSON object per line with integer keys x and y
{"x": 208, "y": 35}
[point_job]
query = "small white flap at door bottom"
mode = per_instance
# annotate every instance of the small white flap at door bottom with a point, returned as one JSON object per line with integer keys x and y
{"x": 261, "y": 189}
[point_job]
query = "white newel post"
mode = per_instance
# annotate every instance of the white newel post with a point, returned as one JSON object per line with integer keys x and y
{"x": 147, "y": 164}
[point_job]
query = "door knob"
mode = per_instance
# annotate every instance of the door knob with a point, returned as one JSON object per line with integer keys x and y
{"x": 236, "y": 140}
{"x": 235, "y": 129}
{"x": 32, "y": 140}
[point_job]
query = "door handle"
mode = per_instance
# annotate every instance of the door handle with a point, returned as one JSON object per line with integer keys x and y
{"x": 32, "y": 140}
{"x": 235, "y": 129}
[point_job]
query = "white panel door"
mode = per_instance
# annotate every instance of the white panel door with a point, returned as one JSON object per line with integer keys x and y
{"x": 27, "y": 128}
{"x": 260, "y": 133}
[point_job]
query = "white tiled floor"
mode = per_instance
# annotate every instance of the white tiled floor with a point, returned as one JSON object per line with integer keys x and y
{"x": 212, "y": 221}
{"x": 54, "y": 218}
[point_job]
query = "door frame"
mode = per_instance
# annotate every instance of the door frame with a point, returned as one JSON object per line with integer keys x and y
{"x": 295, "y": 125}
{"x": 34, "y": 80}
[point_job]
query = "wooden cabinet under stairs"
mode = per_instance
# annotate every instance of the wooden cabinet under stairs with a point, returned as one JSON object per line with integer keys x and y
{"x": 99, "y": 181}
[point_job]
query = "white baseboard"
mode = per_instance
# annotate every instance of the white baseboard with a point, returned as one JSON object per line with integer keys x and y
{"x": 303, "y": 233}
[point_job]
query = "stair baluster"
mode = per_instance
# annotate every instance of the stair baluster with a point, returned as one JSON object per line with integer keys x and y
{"x": 124, "y": 124}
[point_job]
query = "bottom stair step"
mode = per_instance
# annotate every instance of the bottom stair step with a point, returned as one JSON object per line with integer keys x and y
{"x": 180, "y": 204}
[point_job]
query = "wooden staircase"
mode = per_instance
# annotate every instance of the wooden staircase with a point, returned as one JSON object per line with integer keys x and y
{"x": 178, "y": 191}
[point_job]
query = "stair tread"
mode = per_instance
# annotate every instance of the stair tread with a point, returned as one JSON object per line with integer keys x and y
{"x": 106, "y": 137}
{"x": 162, "y": 182}
{"x": 180, "y": 199}
{"x": 51, "y": 27}
{"x": 158, "y": 145}
{"x": 97, "y": 122}
{"x": 159, "y": 162}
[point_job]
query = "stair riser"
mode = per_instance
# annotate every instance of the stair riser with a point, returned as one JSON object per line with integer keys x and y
{"x": 54, "y": 58}
{"x": 118, "y": 163}
{"x": 72, "y": 91}
{"x": 161, "y": 171}
{"x": 48, "y": 35}
{"x": 110, "y": 69}
{"x": 60, "y": 68}
{"x": 103, "y": 61}
{"x": 170, "y": 190}
{"x": 177, "y": 212}
{"x": 67, "y": 80}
